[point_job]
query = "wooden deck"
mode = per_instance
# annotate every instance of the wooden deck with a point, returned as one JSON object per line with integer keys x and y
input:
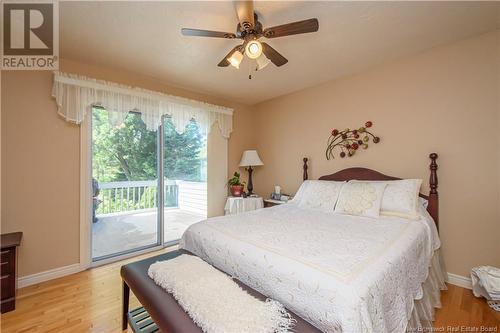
{"x": 120, "y": 232}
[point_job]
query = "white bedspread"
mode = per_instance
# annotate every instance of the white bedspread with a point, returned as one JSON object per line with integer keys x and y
{"x": 341, "y": 273}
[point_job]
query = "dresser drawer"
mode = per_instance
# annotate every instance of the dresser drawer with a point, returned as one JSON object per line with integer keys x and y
{"x": 7, "y": 284}
{"x": 7, "y": 257}
{"x": 5, "y": 268}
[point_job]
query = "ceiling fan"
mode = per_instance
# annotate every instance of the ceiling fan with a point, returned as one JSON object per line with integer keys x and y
{"x": 250, "y": 30}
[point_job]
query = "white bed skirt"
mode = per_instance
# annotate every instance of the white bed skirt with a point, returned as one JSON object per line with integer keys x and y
{"x": 422, "y": 315}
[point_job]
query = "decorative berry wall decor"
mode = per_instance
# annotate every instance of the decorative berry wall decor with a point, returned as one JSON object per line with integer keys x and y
{"x": 349, "y": 141}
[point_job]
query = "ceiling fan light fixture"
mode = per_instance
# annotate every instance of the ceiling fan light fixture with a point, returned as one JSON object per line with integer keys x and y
{"x": 250, "y": 30}
{"x": 262, "y": 62}
{"x": 235, "y": 59}
{"x": 253, "y": 49}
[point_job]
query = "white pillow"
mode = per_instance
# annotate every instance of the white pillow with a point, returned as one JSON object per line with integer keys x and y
{"x": 318, "y": 194}
{"x": 361, "y": 198}
{"x": 423, "y": 202}
{"x": 401, "y": 198}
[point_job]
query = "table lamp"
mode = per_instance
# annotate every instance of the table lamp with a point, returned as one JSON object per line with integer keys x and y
{"x": 250, "y": 159}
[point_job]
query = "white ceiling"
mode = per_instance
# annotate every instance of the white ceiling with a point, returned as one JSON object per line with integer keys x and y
{"x": 144, "y": 37}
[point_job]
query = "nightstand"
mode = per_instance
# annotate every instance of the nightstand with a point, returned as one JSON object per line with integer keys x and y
{"x": 272, "y": 202}
{"x": 236, "y": 205}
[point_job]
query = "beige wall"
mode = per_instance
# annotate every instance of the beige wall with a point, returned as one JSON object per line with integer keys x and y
{"x": 444, "y": 101}
{"x": 217, "y": 151}
{"x": 40, "y": 173}
{"x": 40, "y": 161}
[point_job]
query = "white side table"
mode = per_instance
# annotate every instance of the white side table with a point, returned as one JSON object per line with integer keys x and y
{"x": 236, "y": 205}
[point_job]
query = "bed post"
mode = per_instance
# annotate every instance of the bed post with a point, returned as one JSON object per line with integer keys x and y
{"x": 305, "y": 175}
{"x": 433, "y": 207}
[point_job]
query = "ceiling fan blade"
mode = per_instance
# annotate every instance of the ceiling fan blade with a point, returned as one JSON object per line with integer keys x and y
{"x": 273, "y": 55}
{"x": 294, "y": 28}
{"x": 207, "y": 33}
{"x": 224, "y": 62}
{"x": 244, "y": 10}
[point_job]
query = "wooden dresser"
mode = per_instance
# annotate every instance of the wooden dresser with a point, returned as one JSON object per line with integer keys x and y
{"x": 8, "y": 270}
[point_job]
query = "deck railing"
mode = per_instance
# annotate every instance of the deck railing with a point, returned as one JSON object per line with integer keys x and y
{"x": 115, "y": 197}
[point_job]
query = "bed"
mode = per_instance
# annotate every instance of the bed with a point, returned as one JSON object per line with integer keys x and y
{"x": 340, "y": 273}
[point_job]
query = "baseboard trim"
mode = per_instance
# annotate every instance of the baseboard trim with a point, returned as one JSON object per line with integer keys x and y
{"x": 28, "y": 280}
{"x": 55, "y": 273}
{"x": 459, "y": 280}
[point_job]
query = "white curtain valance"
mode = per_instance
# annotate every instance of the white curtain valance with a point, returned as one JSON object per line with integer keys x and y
{"x": 76, "y": 95}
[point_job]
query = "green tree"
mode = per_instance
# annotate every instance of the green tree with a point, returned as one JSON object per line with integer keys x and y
{"x": 129, "y": 151}
{"x": 126, "y": 152}
{"x": 182, "y": 152}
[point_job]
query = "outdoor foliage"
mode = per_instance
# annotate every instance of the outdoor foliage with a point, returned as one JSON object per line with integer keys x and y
{"x": 128, "y": 153}
{"x": 182, "y": 152}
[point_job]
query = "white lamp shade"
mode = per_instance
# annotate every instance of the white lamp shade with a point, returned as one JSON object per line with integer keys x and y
{"x": 250, "y": 158}
{"x": 262, "y": 62}
{"x": 235, "y": 59}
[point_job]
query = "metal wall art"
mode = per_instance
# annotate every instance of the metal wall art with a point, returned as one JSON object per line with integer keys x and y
{"x": 348, "y": 141}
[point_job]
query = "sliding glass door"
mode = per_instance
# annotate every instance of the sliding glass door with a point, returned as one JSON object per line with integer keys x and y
{"x": 125, "y": 186}
{"x": 185, "y": 178}
{"x": 129, "y": 165}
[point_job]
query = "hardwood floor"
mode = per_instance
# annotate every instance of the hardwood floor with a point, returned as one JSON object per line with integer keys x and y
{"x": 460, "y": 308}
{"x": 90, "y": 301}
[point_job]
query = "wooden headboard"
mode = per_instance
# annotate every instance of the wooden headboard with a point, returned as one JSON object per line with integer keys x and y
{"x": 369, "y": 174}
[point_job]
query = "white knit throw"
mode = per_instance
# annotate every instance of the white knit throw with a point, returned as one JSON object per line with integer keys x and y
{"x": 215, "y": 302}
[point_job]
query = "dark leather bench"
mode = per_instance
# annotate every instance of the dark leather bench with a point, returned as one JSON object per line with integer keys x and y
{"x": 166, "y": 314}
